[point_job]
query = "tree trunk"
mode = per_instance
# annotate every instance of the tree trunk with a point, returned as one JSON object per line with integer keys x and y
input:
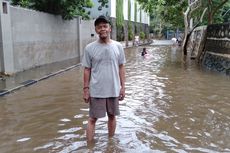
{"x": 192, "y": 7}
{"x": 212, "y": 11}
{"x": 126, "y": 34}
{"x": 209, "y": 11}
{"x": 186, "y": 30}
{"x": 189, "y": 33}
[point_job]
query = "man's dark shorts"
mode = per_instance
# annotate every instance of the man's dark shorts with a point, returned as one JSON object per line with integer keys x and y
{"x": 99, "y": 106}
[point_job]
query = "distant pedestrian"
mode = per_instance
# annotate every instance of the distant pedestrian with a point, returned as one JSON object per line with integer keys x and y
{"x": 136, "y": 40}
{"x": 174, "y": 40}
{"x": 104, "y": 77}
{"x": 179, "y": 41}
{"x": 144, "y": 52}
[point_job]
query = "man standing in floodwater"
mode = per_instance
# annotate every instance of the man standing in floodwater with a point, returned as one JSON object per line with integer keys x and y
{"x": 104, "y": 77}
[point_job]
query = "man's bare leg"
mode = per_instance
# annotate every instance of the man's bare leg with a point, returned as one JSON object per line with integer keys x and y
{"x": 90, "y": 131}
{"x": 111, "y": 125}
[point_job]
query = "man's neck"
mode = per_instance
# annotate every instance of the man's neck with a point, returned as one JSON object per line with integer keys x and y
{"x": 105, "y": 41}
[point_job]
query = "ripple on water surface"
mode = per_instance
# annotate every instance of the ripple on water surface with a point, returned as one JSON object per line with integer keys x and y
{"x": 170, "y": 106}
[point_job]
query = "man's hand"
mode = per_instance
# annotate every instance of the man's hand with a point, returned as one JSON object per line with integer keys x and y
{"x": 86, "y": 95}
{"x": 122, "y": 94}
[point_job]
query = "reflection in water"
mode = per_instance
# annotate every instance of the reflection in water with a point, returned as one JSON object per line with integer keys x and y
{"x": 170, "y": 106}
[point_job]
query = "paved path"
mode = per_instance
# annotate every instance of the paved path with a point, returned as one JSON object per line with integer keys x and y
{"x": 162, "y": 42}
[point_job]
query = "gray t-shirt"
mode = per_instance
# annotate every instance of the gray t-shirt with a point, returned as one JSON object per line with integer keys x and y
{"x": 104, "y": 61}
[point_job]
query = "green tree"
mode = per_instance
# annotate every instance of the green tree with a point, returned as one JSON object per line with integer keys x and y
{"x": 120, "y": 20}
{"x": 142, "y": 35}
{"x": 163, "y": 14}
{"x": 225, "y": 13}
{"x": 68, "y": 9}
{"x": 119, "y": 14}
{"x": 215, "y": 10}
{"x": 130, "y": 31}
{"x": 172, "y": 11}
{"x": 157, "y": 23}
{"x": 177, "y": 11}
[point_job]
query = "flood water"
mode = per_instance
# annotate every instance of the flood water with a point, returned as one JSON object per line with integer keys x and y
{"x": 170, "y": 106}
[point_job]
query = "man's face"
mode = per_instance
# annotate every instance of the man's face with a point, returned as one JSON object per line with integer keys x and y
{"x": 103, "y": 30}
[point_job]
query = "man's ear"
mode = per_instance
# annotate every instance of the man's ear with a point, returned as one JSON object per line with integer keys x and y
{"x": 110, "y": 28}
{"x": 96, "y": 30}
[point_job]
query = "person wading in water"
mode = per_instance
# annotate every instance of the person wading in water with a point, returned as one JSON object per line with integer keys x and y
{"x": 104, "y": 77}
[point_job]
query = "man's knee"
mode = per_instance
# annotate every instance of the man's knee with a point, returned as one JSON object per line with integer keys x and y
{"x": 111, "y": 117}
{"x": 92, "y": 120}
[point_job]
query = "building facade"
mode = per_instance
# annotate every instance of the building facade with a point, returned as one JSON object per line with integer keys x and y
{"x": 139, "y": 19}
{"x": 110, "y": 11}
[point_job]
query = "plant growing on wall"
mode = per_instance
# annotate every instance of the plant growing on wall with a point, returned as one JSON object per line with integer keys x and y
{"x": 104, "y": 3}
{"x": 120, "y": 20}
{"x": 67, "y": 9}
{"x": 130, "y": 34}
{"x": 140, "y": 15}
{"x": 119, "y": 14}
{"x": 142, "y": 35}
{"x": 135, "y": 18}
{"x": 135, "y": 10}
{"x": 130, "y": 31}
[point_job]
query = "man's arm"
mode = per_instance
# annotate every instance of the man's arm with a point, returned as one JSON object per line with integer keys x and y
{"x": 122, "y": 81}
{"x": 87, "y": 72}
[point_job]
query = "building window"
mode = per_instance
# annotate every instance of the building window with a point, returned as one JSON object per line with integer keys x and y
{"x": 4, "y": 5}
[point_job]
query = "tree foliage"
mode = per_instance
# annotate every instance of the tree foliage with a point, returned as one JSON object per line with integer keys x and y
{"x": 68, "y": 9}
{"x": 165, "y": 14}
{"x": 120, "y": 20}
{"x": 171, "y": 11}
{"x": 215, "y": 10}
{"x": 177, "y": 11}
{"x": 225, "y": 13}
{"x": 130, "y": 31}
{"x": 119, "y": 13}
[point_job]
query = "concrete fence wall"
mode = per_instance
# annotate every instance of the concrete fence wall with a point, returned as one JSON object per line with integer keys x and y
{"x": 197, "y": 42}
{"x": 40, "y": 38}
{"x": 217, "y": 48}
{"x": 140, "y": 27}
{"x": 6, "y": 48}
{"x": 31, "y": 38}
{"x": 211, "y": 47}
{"x": 88, "y": 33}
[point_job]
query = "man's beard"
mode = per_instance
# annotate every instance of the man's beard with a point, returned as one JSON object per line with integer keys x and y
{"x": 103, "y": 37}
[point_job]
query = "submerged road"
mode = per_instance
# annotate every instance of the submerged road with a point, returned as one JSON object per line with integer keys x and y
{"x": 170, "y": 106}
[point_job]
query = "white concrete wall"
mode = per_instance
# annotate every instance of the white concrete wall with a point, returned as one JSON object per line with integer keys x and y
{"x": 138, "y": 13}
{"x": 6, "y": 50}
{"x": 40, "y": 38}
{"x": 146, "y": 18}
{"x": 111, "y": 11}
{"x": 88, "y": 32}
{"x": 30, "y": 38}
{"x": 125, "y": 10}
{"x": 113, "y": 8}
{"x": 132, "y": 10}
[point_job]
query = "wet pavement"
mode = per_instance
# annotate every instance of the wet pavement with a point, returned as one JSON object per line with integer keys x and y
{"x": 9, "y": 84}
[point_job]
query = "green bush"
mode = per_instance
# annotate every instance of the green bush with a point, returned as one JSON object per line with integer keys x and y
{"x": 142, "y": 35}
{"x": 130, "y": 34}
{"x": 120, "y": 34}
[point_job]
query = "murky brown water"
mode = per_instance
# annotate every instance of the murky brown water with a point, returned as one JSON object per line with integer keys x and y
{"x": 170, "y": 106}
